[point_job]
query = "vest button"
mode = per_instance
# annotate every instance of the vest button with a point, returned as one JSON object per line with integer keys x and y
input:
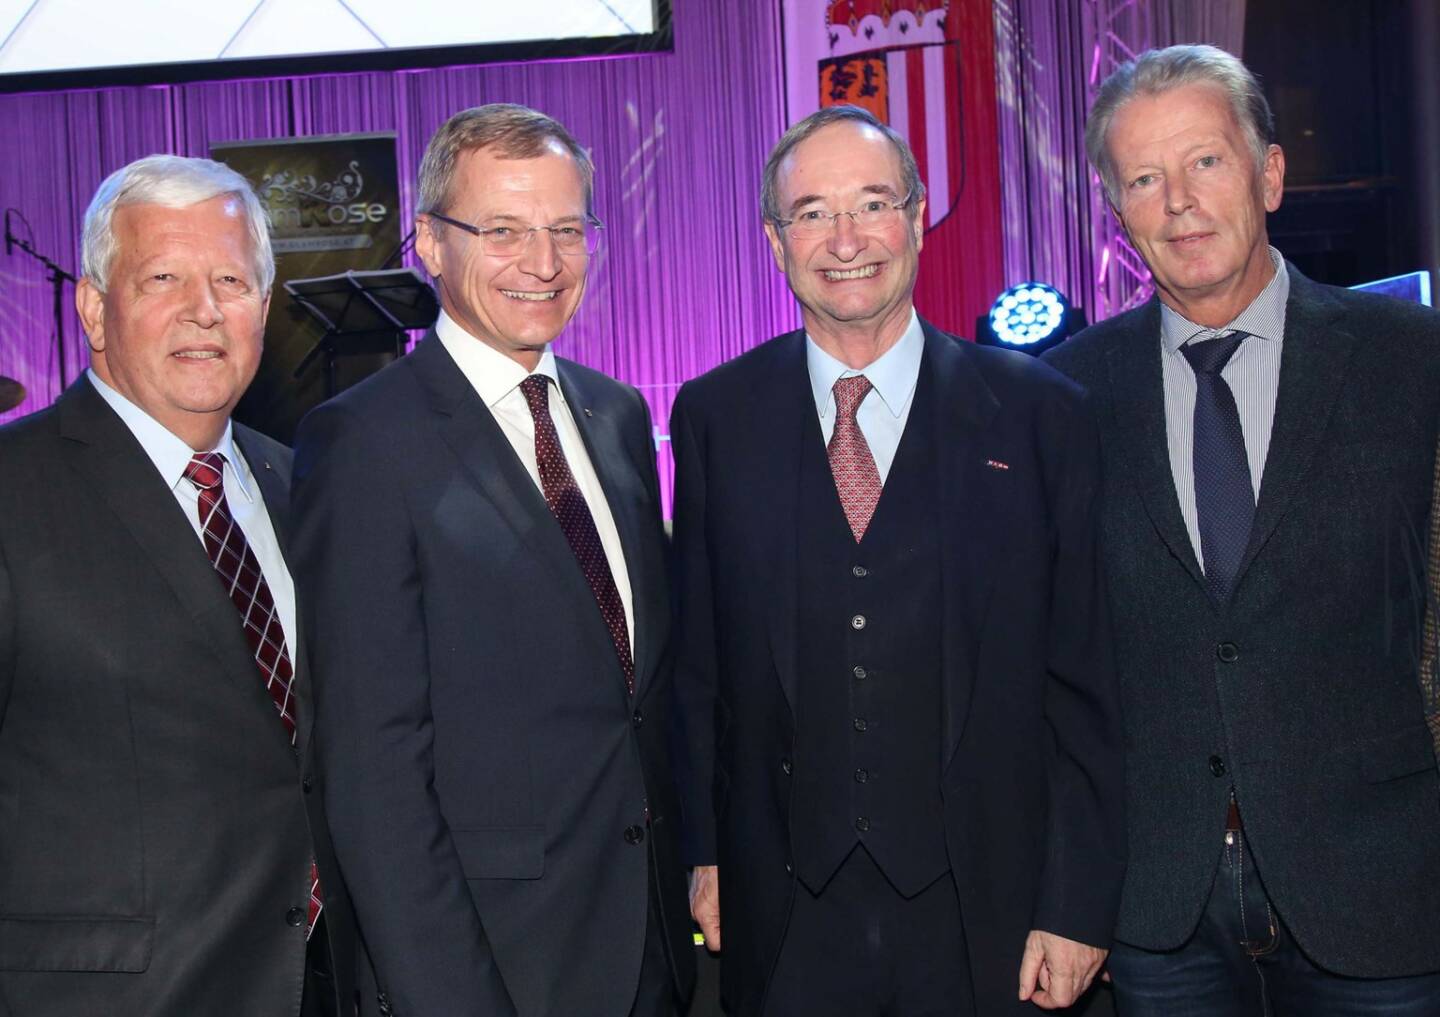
{"x": 1229, "y": 653}
{"x": 862, "y": 824}
{"x": 307, "y": 785}
{"x": 858, "y": 622}
{"x": 1217, "y": 766}
{"x": 860, "y": 724}
{"x": 859, "y": 571}
{"x": 637, "y": 718}
{"x": 634, "y": 834}
{"x": 295, "y": 917}
{"x": 862, "y": 775}
{"x": 785, "y": 766}
{"x": 860, "y": 673}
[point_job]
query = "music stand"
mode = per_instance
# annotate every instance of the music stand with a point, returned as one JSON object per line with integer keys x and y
{"x": 362, "y": 312}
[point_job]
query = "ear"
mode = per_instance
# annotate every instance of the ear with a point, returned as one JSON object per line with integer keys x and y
{"x": 777, "y": 245}
{"x": 90, "y": 306}
{"x": 919, "y": 225}
{"x": 428, "y": 245}
{"x": 1272, "y": 177}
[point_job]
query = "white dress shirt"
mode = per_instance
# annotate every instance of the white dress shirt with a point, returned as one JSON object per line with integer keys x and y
{"x": 886, "y": 407}
{"x": 496, "y": 380}
{"x": 171, "y": 455}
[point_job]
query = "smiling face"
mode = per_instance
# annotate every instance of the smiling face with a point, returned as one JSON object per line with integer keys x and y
{"x": 518, "y": 303}
{"x": 1192, "y": 201}
{"x": 179, "y": 330}
{"x": 852, "y": 284}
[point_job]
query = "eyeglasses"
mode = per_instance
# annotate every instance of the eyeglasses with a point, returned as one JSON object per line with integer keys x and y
{"x": 876, "y": 214}
{"x": 502, "y": 239}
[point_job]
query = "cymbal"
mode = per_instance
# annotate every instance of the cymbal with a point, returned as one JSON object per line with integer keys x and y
{"x": 12, "y": 393}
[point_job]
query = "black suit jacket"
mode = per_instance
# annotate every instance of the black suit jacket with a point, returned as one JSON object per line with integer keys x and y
{"x": 1030, "y": 764}
{"x": 154, "y": 833}
{"x": 488, "y": 774}
{"x": 1301, "y": 693}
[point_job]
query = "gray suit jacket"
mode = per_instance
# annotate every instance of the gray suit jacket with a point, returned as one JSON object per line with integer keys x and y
{"x": 1301, "y": 693}
{"x": 156, "y": 826}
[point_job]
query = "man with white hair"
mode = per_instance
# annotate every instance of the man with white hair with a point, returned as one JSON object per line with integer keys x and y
{"x": 162, "y": 850}
{"x": 1267, "y": 445}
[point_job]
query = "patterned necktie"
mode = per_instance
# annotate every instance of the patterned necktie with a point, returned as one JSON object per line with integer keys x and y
{"x": 568, "y": 506}
{"x": 857, "y": 481}
{"x": 239, "y": 571}
{"x": 1224, "y": 497}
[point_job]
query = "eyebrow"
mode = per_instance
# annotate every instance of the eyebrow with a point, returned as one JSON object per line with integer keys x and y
{"x": 884, "y": 190}
{"x": 506, "y": 217}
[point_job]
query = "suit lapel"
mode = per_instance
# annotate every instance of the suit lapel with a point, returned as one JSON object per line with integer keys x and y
{"x": 125, "y": 481}
{"x": 970, "y": 496}
{"x": 786, "y": 405}
{"x": 598, "y": 420}
{"x": 469, "y": 428}
{"x": 1137, "y": 399}
{"x": 1313, "y": 370}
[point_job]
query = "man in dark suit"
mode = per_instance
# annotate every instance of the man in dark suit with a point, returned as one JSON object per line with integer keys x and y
{"x": 479, "y": 530}
{"x": 159, "y": 826}
{"x": 1264, "y": 531}
{"x": 902, "y": 762}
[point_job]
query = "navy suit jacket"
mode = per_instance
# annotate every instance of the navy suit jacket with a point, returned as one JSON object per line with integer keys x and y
{"x": 1029, "y": 766}
{"x": 487, "y": 774}
{"x": 1300, "y": 693}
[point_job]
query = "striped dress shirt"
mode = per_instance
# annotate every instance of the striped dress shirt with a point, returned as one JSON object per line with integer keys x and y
{"x": 1253, "y": 374}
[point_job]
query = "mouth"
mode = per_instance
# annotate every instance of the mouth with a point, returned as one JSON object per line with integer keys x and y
{"x": 531, "y": 295}
{"x": 198, "y": 354}
{"x": 842, "y": 274}
{"x": 1190, "y": 238}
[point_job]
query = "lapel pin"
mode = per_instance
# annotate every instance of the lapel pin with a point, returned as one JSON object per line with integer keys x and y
{"x": 996, "y": 464}
{"x": 587, "y": 412}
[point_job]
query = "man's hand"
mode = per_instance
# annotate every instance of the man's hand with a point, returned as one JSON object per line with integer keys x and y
{"x": 1056, "y": 971}
{"x": 705, "y": 903}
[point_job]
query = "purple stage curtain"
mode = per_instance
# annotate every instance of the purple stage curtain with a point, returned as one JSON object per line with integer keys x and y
{"x": 683, "y": 281}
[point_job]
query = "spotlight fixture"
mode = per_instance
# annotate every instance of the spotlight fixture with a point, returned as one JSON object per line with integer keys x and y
{"x": 1031, "y": 317}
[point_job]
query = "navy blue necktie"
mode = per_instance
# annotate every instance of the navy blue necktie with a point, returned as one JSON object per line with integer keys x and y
{"x": 1224, "y": 499}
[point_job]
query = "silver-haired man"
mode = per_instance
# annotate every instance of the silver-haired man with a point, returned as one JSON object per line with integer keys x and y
{"x": 1268, "y": 445}
{"x": 159, "y": 837}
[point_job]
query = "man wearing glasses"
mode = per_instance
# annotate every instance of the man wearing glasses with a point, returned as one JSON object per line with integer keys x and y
{"x": 901, "y": 749}
{"x": 482, "y": 571}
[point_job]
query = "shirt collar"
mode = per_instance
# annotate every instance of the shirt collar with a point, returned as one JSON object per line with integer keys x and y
{"x": 166, "y": 450}
{"x": 893, "y": 375}
{"x": 1264, "y": 317}
{"x": 491, "y": 373}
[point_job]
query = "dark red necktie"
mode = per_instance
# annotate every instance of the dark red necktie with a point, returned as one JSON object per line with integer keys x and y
{"x": 568, "y": 506}
{"x": 239, "y": 570}
{"x": 857, "y": 479}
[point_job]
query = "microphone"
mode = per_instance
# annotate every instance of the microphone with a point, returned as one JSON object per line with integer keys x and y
{"x": 9, "y": 237}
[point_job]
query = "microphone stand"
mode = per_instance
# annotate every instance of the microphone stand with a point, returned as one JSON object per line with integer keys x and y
{"x": 57, "y": 278}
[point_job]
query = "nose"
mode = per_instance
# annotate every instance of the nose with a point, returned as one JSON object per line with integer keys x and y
{"x": 203, "y": 308}
{"x": 846, "y": 239}
{"x": 1178, "y": 197}
{"x": 540, "y": 257}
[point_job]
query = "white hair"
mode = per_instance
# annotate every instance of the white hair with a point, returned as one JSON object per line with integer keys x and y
{"x": 172, "y": 181}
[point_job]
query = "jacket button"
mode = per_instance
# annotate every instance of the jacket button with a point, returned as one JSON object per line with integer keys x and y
{"x": 634, "y": 834}
{"x": 862, "y": 824}
{"x": 860, "y": 673}
{"x": 858, "y": 622}
{"x": 862, "y": 775}
{"x": 1217, "y": 766}
{"x": 785, "y": 766}
{"x": 789, "y": 869}
{"x": 637, "y": 718}
{"x": 295, "y": 917}
{"x": 859, "y": 571}
{"x": 307, "y": 784}
{"x": 860, "y": 724}
{"x": 1228, "y": 652}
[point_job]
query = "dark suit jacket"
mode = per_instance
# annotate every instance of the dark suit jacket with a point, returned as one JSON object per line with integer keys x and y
{"x": 488, "y": 773}
{"x": 153, "y": 828}
{"x": 1302, "y": 691}
{"x": 1030, "y": 763}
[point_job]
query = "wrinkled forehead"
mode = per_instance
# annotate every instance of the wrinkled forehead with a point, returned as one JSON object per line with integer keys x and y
{"x": 840, "y": 161}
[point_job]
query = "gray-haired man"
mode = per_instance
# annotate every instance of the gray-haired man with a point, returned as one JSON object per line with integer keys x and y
{"x": 161, "y": 848}
{"x": 1267, "y": 457}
